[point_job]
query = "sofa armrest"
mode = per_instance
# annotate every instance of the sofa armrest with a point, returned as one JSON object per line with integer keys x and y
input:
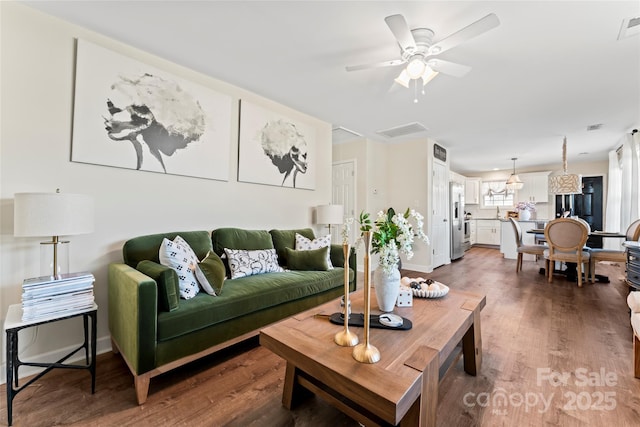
{"x": 337, "y": 259}
{"x": 133, "y": 315}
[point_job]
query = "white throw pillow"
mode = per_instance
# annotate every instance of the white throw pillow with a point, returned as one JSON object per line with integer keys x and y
{"x": 304, "y": 244}
{"x": 633, "y": 301}
{"x": 244, "y": 263}
{"x": 202, "y": 279}
{"x": 178, "y": 255}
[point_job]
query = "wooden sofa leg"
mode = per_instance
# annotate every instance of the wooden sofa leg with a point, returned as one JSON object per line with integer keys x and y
{"x": 636, "y": 356}
{"x": 142, "y": 387}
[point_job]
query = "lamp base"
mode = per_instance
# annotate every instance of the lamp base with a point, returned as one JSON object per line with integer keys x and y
{"x": 346, "y": 338}
{"x": 366, "y": 353}
{"x": 54, "y": 250}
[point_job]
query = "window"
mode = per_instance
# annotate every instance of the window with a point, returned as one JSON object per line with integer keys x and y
{"x": 494, "y": 193}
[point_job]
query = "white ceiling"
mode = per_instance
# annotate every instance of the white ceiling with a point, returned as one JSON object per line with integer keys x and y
{"x": 550, "y": 69}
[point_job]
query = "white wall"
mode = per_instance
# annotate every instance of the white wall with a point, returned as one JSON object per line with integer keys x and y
{"x": 37, "y": 83}
{"x": 393, "y": 174}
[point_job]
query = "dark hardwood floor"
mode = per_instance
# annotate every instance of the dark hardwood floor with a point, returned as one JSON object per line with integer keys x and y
{"x": 553, "y": 355}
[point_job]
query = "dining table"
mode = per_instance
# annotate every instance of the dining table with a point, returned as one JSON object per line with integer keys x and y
{"x": 571, "y": 271}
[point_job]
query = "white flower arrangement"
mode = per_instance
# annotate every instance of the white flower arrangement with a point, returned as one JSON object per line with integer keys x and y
{"x": 394, "y": 234}
{"x": 526, "y": 206}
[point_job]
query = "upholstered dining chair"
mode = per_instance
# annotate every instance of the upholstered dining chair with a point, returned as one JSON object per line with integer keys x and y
{"x": 597, "y": 255}
{"x": 566, "y": 238}
{"x": 537, "y": 250}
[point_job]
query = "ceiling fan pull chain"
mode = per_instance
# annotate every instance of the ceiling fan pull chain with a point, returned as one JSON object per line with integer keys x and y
{"x": 415, "y": 91}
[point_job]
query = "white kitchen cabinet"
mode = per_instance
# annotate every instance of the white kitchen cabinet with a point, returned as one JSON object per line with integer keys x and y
{"x": 472, "y": 232}
{"x": 472, "y": 191}
{"x": 535, "y": 187}
{"x": 488, "y": 232}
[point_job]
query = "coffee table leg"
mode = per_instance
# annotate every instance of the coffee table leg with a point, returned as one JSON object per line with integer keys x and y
{"x": 293, "y": 393}
{"x": 472, "y": 346}
{"x": 424, "y": 410}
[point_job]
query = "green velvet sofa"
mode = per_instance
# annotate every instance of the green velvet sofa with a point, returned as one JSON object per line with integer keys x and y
{"x": 154, "y": 338}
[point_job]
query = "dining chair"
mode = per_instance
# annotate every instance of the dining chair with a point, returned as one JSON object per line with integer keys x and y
{"x": 566, "y": 238}
{"x": 537, "y": 250}
{"x": 597, "y": 255}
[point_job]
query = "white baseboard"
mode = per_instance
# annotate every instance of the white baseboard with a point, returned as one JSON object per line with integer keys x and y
{"x": 103, "y": 345}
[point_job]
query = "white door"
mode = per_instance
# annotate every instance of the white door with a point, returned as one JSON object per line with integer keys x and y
{"x": 343, "y": 193}
{"x": 440, "y": 215}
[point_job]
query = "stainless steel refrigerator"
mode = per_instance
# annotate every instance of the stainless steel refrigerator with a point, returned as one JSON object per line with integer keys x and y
{"x": 457, "y": 220}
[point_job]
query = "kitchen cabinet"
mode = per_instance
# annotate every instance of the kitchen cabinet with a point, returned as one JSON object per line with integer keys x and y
{"x": 472, "y": 191}
{"x": 535, "y": 187}
{"x": 472, "y": 232}
{"x": 488, "y": 232}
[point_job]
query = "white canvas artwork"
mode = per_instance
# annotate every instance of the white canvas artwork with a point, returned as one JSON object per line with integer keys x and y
{"x": 274, "y": 149}
{"x": 131, "y": 115}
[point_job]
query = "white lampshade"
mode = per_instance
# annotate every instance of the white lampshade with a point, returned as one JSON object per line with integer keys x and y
{"x": 403, "y": 78}
{"x": 416, "y": 68}
{"x": 428, "y": 75}
{"x": 329, "y": 214}
{"x": 52, "y": 214}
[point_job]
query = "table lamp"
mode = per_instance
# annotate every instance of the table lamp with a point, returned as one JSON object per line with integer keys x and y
{"x": 53, "y": 214}
{"x": 329, "y": 214}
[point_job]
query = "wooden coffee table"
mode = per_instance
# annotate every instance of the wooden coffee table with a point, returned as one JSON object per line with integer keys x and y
{"x": 402, "y": 388}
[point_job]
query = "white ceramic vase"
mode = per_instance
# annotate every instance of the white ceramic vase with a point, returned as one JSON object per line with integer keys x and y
{"x": 525, "y": 215}
{"x": 387, "y": 288}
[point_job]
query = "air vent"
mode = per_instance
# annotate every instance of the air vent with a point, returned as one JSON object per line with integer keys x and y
{"x": 630, "y": 27}
{"x": 402, "y": 130}
{"x": 594, "y": 127}
{"x": 340, "y": 134}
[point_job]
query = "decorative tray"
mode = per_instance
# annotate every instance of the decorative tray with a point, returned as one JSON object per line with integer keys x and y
{"x": 357, "y": 319}
{"x": 438, "y": 290}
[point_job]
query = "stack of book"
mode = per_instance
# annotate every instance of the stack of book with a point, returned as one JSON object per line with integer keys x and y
{"x": 48, "y": 297}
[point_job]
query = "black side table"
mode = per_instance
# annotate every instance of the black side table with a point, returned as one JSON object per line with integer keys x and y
{"x": 14, "y": 323}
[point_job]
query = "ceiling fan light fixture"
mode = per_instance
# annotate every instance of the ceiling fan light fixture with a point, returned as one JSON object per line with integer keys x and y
{"x": 403, "y": 79}
{"x": 428, "y": 75}
{"x": 416, "y": 68}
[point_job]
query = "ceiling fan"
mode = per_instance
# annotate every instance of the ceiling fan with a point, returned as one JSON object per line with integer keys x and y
{"x": 419, "y": 52}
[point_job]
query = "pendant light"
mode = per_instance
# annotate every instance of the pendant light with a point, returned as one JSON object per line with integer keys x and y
{"x": 566, "y": 183}
{"x": 514, "y": 183}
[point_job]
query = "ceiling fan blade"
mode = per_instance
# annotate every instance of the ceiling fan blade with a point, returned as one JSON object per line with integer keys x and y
{"x": 482, "y": 25}
{"x": 447, "y": 67}
{"x": 398, "y": 26}
{"x": 391, "y": 63}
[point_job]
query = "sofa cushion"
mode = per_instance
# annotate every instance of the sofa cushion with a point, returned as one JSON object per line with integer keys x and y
{"x": 239, "y": 238}
{"x": 283, "y": 239}
{"x": 244, "y": 263}
{"x": 178, "y": 255}
{"x": 311, "y": 260}
{"x": 167, "y": 280}
{"x": 304, "y": 244}
{"x": 245, "y": 295}
{"x": 214, "y": 270}
{"x": 146, "y": 247}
